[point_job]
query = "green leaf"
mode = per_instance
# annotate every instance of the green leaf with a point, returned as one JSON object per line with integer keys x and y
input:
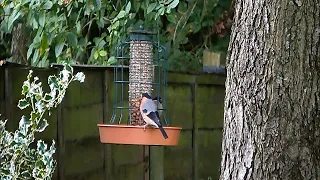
{"x": 58, "y": 49}
{"x": 29, "y": 75}
{"x": 41, "y": 147}
{"x": 34, "y": 116}
{"x": 96, "y": 55}
{"x": 173, "y": 4}
{"x": 171, "y": 18}
{"x": 88, "y": 9}
{"x": 39, "y": 105}
{"x": 34, "y": 23}
{"x": 35, "y": 57}
{"x": 72, "y": 39}
{"x": 97, "y": 4}
{"x": 111, "y": 60}
{"x": 78, "y": 27}
{"x": 44, "y": 44}
{"x": 24, "y": 125}
{"x": 42, "y": 19}
{"x": 23, "y": 103}
{"x": 25, "y": 88}
{"x": 151, "y": 7}
{"x": 24, "y": 121}
{"x": 42, "y": 125}
{"x": 160, "y": 12}
{"x": 114, "y": 26}
{"x": 53, "y": 83}
{"x": 120, "y": 15}
{"x": 102, "y": 53}
{"x": 79, "y": 77}
{"x": 48, "y": 97}
{"x": 47, "y": 5}
{"x": 26, "y": 174}
{"x": 29, "y": 52}
{"x": 13, "y": 17}
{"x": 128, "y": 7}
{"x": 136, "y": 5}
{"x": 68, "y": 68}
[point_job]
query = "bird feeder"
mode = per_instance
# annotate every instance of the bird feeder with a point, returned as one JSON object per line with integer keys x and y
{"x": 147, "y": 67}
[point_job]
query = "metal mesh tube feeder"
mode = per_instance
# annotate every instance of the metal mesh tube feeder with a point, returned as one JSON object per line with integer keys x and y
{"x": 147, "y": 74}
{"x": 141, "y": 72}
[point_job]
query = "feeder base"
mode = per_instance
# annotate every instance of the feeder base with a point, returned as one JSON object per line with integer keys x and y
{"x": 127, "y": 134}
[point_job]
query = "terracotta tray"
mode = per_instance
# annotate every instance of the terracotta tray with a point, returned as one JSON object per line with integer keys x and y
{"x": 127, "y": 134}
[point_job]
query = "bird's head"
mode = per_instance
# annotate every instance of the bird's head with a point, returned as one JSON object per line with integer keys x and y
{"x": 146, "y": 95}
{"x": 158, "y": 98}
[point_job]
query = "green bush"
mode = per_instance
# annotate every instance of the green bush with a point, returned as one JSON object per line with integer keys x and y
{"x": 88, "y": 31}
{"x": 72, "y": 31}
{"x": 17, "y": 159}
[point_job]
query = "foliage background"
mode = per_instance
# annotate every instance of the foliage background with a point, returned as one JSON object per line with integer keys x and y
{"x": 87, "y": 31}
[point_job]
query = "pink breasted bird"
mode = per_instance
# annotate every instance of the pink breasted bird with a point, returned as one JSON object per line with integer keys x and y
{"x": 150, "y": 114}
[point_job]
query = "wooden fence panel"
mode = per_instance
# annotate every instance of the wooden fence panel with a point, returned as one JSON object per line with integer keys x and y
{"x": 178, "y": 160}
{"x": 83, "y": 159}
{"x": 126, "y": 162}
{"x": 210, "y": 107}
{"x": 195, "y": 102}
{"x": 179, "y": 115}
{"x": 209, "y": 154}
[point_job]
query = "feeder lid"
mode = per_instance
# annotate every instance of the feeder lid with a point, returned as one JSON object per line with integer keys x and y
{"x": 141, "y": 34}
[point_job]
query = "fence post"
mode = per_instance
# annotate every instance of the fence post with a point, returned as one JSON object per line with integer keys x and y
{"x": 8, "y": 97}
{"x": 106, "y": 148}
{"x": 194, "y": 130}
{"x": 61, "y": 144}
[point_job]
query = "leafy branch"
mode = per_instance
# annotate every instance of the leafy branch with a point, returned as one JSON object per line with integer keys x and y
{"x": 17, "y": 159}
{"x": 67, "y": 31}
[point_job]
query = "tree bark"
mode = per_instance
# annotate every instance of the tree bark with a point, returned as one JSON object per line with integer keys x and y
{"x": 272, "y": 103}
{"x": 19, "y": 44}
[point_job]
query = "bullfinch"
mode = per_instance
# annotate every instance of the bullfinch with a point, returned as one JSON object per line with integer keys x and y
{"x": 158, "y": 102}
{"x": 150, "y": 114}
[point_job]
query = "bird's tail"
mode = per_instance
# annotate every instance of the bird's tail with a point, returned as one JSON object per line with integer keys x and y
{"x": 163, "y": 132}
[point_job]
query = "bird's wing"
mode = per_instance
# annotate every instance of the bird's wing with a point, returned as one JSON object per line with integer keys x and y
{"x": 148, "y": 106}
{"x": 157, "y": 113}
{"x": 154, "y": 116}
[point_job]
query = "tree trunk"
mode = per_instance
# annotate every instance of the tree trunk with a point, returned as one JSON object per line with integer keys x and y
{"x": 272, "y": 104}
{"x": 19, "y": 44}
